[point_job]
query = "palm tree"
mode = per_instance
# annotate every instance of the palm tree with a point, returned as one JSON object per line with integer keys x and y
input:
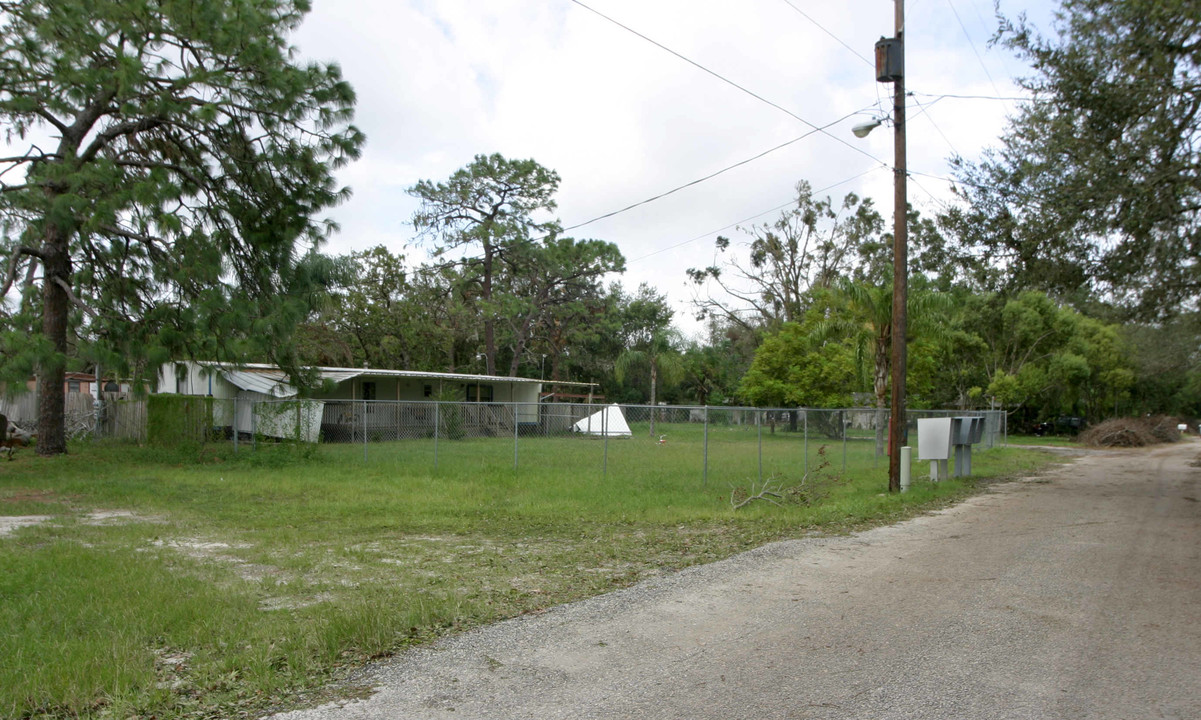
{"x": 659, "y": 352}
{"x": 866, "y": 319}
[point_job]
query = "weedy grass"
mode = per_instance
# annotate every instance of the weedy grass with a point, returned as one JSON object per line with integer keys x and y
{"x": 198, "y": 582}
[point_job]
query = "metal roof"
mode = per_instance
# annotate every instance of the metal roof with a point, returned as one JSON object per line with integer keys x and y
{"x": 269, "y": 379}
{"x": 266, "y": 383}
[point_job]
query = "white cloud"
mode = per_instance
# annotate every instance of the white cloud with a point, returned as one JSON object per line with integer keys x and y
{"x": 439, "y": 81}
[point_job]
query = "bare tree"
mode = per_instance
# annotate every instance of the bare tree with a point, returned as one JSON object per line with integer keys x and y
{"x": 810, "y": 245}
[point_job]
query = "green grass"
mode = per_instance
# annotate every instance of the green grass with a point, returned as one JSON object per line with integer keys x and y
{"x": 246, "y": 582}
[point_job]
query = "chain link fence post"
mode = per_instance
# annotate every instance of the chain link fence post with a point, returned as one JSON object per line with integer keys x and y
{"x": 842, "y": 421}
{"x": 759, "y": 428}
{"x": 705, "y": 470}
{"x": 605, "y": 434}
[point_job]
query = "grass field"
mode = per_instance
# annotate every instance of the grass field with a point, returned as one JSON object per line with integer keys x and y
{"x": 199, "y": 583}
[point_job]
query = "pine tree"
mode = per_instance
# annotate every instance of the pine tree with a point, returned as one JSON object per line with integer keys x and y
{"x": 173, "y": 208}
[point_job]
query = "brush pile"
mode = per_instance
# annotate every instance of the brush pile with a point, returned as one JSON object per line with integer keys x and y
{"x": 1132, "y": 432}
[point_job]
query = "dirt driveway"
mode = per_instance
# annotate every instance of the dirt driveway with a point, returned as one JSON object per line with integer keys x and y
{"x": 1077, "y": 595}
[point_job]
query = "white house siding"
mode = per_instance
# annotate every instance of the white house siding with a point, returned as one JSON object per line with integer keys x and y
{"x": 342, "y": 410}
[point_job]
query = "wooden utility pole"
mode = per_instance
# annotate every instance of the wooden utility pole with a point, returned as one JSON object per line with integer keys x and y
{"x": 900, "y": 270}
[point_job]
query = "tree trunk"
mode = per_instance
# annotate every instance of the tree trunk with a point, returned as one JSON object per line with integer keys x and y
{"x": 52, "y": 436}
{"x": 881, "y": 388}
{"x": 489, "y": 320}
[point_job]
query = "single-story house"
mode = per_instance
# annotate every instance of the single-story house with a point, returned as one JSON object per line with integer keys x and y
{"x": 359, "y": 402}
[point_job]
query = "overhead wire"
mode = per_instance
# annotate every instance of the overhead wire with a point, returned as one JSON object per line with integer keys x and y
{"x": 972, "y": 44}
{"x": 973, "y": 97}
{"x": 756, "y": 215}
{"x": 710, "y": 175}
{"x": 840, "y": 41}
{"x": 984, "y": 24}
{"x": 925, "y": 111}
{"x": 837, "y": 39}
{"x": 726, "y": 80}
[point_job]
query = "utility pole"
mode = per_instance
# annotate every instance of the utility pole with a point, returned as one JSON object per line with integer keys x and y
{"x": 890, "y": 67}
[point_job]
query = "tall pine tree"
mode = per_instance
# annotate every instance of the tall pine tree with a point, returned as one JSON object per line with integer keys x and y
{"x": 171, "y": 162}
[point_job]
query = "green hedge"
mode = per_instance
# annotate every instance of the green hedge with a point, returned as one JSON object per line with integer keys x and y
{"x": 179, "y": 419}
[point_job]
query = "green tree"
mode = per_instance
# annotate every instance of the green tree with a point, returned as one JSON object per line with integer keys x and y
{"x": 1166, "y": 358}
{"x": 862, "y": 314}
{"x": 659, "y": 353}
{"x": 551, "y": 281}
{"x": 173, "y": 207}
{"x": 1046, "y": 359}
{"x": 792, "y": 368}
{"x": 370, "y": 309}
{"x": 491, "y": 205}
{"x": 1097, "y": 185}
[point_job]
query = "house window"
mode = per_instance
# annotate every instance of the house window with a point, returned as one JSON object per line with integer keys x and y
{"x": 368, "y": 391}
{"x": 72, "y": 386}
{"x": 428, "y": 390}
{"x": 479, "y": 393}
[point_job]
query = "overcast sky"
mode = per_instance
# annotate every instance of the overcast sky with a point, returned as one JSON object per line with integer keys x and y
{"x": 622, "y": 120}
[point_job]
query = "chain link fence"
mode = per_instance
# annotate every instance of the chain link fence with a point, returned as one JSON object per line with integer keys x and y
{"x": 725, "y": 441}
{"x": 720, "y": 442}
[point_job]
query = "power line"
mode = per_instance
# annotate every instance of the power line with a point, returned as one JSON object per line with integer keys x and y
{"x": 752, "y": 217}
{"x": 971, "y": 43}
{"x": 837, "y": 39}
{"x": 726, "y": 80}
{"x": 984, "y": 24}
{"x": 925, "y": 111}
{"x": 973, "y": 97}
{"x": 710, "y": 175}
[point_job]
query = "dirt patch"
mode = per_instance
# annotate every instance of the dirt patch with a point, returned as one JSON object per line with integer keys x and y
{"x": 11, "y": 523}
{"x": 215, "y": 551}
{"x": 21, "y": 495}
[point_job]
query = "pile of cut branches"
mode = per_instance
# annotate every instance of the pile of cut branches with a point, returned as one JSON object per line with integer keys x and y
{"x": 1132, "y": 432}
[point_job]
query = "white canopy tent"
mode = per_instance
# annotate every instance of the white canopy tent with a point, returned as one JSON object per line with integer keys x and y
{"x": 609, "y": 421}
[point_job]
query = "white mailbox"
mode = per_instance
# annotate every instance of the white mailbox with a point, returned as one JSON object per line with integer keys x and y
{"x": 934, "y": 437}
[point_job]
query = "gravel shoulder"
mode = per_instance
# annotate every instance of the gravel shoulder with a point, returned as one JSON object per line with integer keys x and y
{"x": 1072, "y": 595}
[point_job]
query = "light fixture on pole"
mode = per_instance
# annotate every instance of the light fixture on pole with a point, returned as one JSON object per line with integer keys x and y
{"x": 863, "y": 129}
{"x": 890, "y": 67}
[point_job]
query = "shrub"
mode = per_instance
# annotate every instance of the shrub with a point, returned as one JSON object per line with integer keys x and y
{"x": 175, "y": 420}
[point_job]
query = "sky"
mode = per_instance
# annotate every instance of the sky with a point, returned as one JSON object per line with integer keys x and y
{"x": 622, "y": 116}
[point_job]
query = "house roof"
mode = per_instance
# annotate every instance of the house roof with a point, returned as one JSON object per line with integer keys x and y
{"x": 270, "y": 380}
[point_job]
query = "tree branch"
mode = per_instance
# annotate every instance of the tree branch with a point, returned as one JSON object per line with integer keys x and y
{"x": 14, "y": 262}
{"x": 74, "y": 298}
{"x": 132, "y": 127}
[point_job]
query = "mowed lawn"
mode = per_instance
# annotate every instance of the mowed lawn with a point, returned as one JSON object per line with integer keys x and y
{"x": 199, "y": 583}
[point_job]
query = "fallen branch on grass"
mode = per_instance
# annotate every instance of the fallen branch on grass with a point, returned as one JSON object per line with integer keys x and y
{"x": 767, "y": 492}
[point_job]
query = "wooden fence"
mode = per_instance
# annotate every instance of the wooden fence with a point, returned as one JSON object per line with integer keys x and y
{"x": 121, "y": 417}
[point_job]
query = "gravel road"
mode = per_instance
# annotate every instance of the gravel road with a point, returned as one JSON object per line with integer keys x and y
{"x": 1073, "y": 595}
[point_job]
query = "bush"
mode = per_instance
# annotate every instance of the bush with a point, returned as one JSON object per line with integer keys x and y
{"x": 174, "y": 420}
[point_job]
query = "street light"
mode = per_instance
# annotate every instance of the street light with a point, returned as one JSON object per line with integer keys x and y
{"x": 890, "y": 67}
{"x": 863, "y": 129}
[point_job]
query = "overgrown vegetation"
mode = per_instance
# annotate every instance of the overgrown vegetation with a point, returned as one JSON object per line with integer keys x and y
{"x": 166, "y": 587}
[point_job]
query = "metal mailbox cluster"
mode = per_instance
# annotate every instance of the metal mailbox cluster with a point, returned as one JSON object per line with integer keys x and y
{"x": 941, "y": 439}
